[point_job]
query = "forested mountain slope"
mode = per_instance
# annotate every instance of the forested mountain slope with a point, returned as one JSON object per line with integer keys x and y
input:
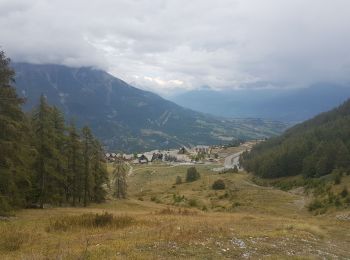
{"x": 126, "y": 118}
{"x": 314, "y": 148}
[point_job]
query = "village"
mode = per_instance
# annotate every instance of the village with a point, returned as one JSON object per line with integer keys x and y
{"x": 228, "y": 155}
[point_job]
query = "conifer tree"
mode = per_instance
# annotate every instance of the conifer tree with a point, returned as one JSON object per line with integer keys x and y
{"x": 44, "y": 166}
{"x": 74, "y": 162}
{"x": 99, "y": 172}
{"x": 14, "y": 148}
{"x": 60, "y": 141}
{"x": 40, "y": 160}
{"x": 87, "y": 140}
{"x": 119, "y": 174}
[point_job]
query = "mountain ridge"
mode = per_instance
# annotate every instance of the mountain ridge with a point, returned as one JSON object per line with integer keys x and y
{"x": 288, "y": 105}
{"x": 127, "y": 118}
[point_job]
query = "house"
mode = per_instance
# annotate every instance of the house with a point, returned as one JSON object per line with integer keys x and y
{"x": 128, "y": 157}
{"x": 143, "y": 159}
{"x": 157, "y": 157}
{"x": 182, "y": 150}
{"x": 136, "y": 161}
{"x": 202, "y": 149}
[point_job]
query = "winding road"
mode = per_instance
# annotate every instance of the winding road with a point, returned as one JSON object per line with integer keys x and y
{"x": 232, "y": 160}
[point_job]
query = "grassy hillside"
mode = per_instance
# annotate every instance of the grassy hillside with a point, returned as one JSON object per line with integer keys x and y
{"x": 243, "y": 221}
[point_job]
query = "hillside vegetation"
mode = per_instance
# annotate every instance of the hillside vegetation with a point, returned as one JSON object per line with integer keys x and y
{"x": 316, "y": 152}
{"x": 314, "y": 148}
{"x": 164, "y": 220}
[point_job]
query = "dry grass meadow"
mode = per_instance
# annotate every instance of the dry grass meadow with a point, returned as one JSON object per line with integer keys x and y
{"x": 161, "y": 220}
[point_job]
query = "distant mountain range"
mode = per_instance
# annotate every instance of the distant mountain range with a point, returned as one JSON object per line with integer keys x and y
{"x": 288, "y": 105}
{"x": 126, "y": 118}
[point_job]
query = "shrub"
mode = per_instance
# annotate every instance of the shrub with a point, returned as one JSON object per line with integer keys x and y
{"x": 344, "y": 192}
{"x": 218, "y": 185}
{"x": 192, "y": 174}
{"x": 315, "y": 204}
{"x": 337, "y": 176}
{"x": 236, "y": 204}
{"x": 337, "y": 202}
{"x": 155, "y": 199}
{"x": 178, "y": 198}
{"x": 179, "y": 211}
{"x": 193, "y": 203}
{"x": 178, "y": 180}
{"x": 5, "y": 208}
{"x": 89, "y": 220}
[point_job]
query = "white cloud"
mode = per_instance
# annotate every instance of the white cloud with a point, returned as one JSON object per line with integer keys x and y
{"x": 182, "y": 44}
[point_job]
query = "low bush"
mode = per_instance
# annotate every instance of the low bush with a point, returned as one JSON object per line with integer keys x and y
{"x": 192, "y": 174}
{"x": 5, "y": 209}
{"x": 337, "y": 175}
{"x": 89, "y": 220}
{"x": 155, "y": 199}
{"x": 179, "y": 211}
{"x": 315, "y": 204}
{"x": 236, "y": 204}
{"x": 344, "y": 192}
{"x": 219, "y": 185}
{"x": 178, "y": 180}
{"x": 193, "y": 203}
{"x": 178, "y": 198}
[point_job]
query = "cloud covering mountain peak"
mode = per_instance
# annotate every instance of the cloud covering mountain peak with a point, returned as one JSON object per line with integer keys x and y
{"x": 223, "y": 44}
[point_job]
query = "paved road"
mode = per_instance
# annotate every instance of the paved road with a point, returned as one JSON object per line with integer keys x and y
{"x": 232, "y": 160}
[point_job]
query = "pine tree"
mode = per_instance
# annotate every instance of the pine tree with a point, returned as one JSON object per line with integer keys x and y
{"x": 99, "y": 173}
{"x": 44, "y": 167}
{"x": 119, "y": 174}
{"x": 60, "y": 158}
{"x": 74, "y": 162}
{"x": 14, "y": 146}
{"x": 40, "y": 161}
{"x": 87, "y": 141}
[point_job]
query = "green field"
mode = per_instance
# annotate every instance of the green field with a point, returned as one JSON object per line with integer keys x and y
{"x": 185, "y": 221}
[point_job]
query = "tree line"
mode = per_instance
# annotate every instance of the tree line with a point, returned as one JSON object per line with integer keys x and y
{"x": 42, "y": 159}
{"x": 315, "y": 148}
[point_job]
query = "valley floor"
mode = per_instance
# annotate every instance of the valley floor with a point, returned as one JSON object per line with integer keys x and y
{"x": 185, "y": 221}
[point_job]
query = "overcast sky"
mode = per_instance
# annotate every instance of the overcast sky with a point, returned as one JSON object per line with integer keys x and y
{"x": 169, "y": 46}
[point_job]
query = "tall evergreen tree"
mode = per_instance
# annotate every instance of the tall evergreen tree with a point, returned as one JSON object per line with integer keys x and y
{"x": 99, "y": 172}
{"x": 87, "y": 140}
{"x": 119, "y": 174}
{"x": 44, "y": 166}
{"x": 40, "y": 161}
{"x": 74, "y": 163}
{"x": 14, "y": 149}
{"x": 60, "y": 143}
